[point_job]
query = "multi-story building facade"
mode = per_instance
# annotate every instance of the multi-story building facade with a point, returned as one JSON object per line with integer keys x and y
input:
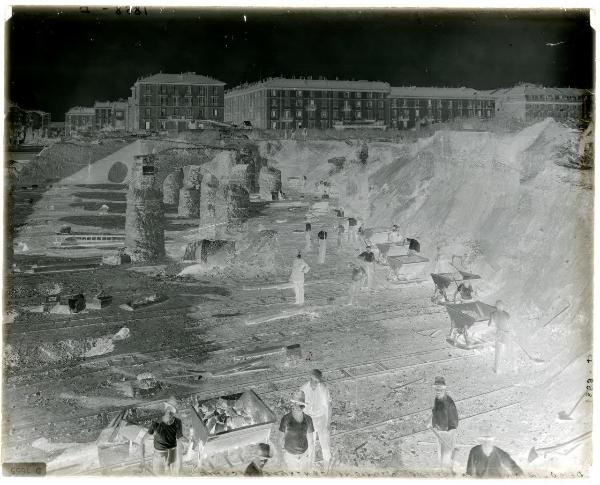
{"x": 279, "y": 103}
{"x": 528, "y": 102}
{"x": 80, "y": 118}
{"x": 160, "y": 98}
{"x": 412, "y": 107}
{"x": 111, "y": 115}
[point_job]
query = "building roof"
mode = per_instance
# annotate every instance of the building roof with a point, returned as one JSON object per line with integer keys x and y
{"x": 81, "y": 110}
{"x": 312, "y": 84}
{"x": 535, "y": 90}
{"x": 183, "y": 78}
{"x": 433, "y": 92}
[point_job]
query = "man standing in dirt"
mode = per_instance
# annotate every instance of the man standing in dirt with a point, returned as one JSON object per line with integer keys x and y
{"x": 504, "y": 355}
{"x": 369, "y": 264}
{"x": 307, "y": 236}
{"x": 297, "y": 278}
{"x": 489, "y": 461}
{"x": 444, "y": 422}
{"x": 322, "y": 237}
{"x": 297, "y": 436}
{"x": 359, "y": 276}
{"x": 318, "y": 407}
{"x": 340, "y": 235}
{"x": 166, "y": 433}
{"x": 352, "y": 229}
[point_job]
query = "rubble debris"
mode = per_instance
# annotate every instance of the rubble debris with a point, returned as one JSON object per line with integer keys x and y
{"x": 122, "y": 334}
{"x": 100, "y": 301}
{"x": 143, "y": 302}
{"x": 249, "y": 365}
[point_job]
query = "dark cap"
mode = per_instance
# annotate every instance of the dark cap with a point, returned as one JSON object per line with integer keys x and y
{"x": 439, "y": 381}
{"x": 264, "y": 450}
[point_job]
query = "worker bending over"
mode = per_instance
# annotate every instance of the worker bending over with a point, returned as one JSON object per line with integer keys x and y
{"x": 322, "y": 238}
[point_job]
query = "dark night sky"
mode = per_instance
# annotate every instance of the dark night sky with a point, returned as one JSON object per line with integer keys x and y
{"x": 58, "y": 58}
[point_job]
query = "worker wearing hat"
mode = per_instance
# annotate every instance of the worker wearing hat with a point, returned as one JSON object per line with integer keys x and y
{"x": 489, "y": 461}
{"x": 318, "y": 407}
{"x": 444, "y": 422}
{"x": 299, "y": 268}
{"x": 297, "y": 438}
{"x": 369, "y": 264}
{"x": 255, "y": 468}
{"x": 166, "y": 433}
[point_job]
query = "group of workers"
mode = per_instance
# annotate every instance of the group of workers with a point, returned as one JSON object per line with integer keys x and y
{"x": 309, "y": 422}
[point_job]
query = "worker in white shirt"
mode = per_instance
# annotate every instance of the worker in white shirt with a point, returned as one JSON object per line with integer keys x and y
{"x": 297, "y": 278}
{"x": 318, "y": 407}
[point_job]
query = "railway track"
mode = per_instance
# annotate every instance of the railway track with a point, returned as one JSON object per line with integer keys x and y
{"x": 344, "y": 373}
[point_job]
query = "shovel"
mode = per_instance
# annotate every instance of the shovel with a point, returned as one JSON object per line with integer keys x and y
{"x": 533, "y": 453}
{"x": 567, "y": 416}
{"x": 534, "y": 359}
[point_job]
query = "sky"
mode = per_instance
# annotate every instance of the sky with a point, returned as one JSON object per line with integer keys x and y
{"x": 62, "y": 57}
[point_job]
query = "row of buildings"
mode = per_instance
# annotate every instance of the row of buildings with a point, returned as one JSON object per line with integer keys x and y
{"x": 185, "y": 101}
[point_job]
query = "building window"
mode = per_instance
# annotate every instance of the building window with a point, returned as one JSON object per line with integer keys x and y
{"x": 299, "y": 103}
{"x": 299, "y": 113}
{"x": 416, "y": 113}
{"x": 274, "y": 125}
{"x": 358, "y": 115}
{"x": 312, "y": 94}
{"x": 201, "y": 100}
{"x": 215, "y": 100}
{"x": 274, "y": 103}
{"x": 394, "y": 113}
{"x": 163, "y": 89}
{"x": 188, "y": 101}
{"x": 148, "y": 89}
{"x": 176, "y": 112}
{"x": 369, "y": 104}
{"x": 215, "y": 112}
{"x": 163, "y": 124}
{"x": 346, "y": 94}
{"x": 201, "y": 113}
{"x": 188, "y": 113}
{"x": 335, "y": 114}
{"x": 147, "y": 100}
{"x": 357, "y": 104}
{"x": 273, "y": 114}
{"x": 287, "y": 114}
{"x": 299, "y": 94}
{"x": 369, "y": 95}
{"x": 163, "y": 112}
{"x": 370, "y": 114}
{"x": 176, "y": 99}
{"x": 273, "y": 92}
{"x": 188, "y": 90}
{"x": 323, "y": 114}
{"x": 346, "y": 105}
{"x": 148, "y": 112}
{"x": 429, "y": 103}
{"x": 380, "y": 104}
{"x": 357, "y": 95}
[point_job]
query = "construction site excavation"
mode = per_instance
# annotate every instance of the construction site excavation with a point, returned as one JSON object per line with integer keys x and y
{"x": 230, "y": 275}
{"x": 312, "y": 274}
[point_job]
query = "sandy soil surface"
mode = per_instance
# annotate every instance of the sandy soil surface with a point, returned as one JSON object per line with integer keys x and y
{"x": 379, "y": 358}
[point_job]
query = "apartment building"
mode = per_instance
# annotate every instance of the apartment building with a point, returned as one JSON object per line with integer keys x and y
{"x": 528, "y": 102}
{"x": 282, "y": 103}
{"x": 412, "y": 106}
{"x": 157, "y": 99}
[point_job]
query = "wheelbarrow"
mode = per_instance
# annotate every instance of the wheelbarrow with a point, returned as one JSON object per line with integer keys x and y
{"x": 443, "y": 281}
{"x": 463, "y": 316}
